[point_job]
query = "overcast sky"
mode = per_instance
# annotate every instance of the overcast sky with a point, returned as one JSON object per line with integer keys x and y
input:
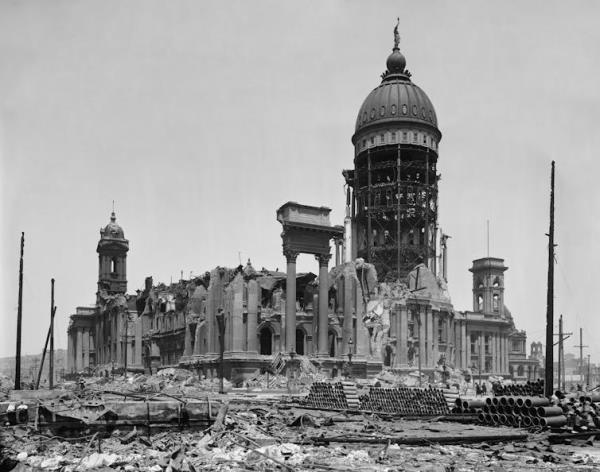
{"x": 201, "y": 118}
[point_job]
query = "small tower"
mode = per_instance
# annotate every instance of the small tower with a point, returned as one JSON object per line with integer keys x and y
{"x": 488, "y": 285}
{"x": 112, "y": 257}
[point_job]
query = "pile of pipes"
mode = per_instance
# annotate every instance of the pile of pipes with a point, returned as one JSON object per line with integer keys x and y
{"x": 519, "y": 412}
{"x": 530, "y": 389}
{"x": 581, "y": 409}
{"x": 406, "y": 401}
{"x": 327, "y": 395}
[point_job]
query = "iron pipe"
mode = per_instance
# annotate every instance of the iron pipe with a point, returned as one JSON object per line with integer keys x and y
{"x": 553, "y": 421}
{"x": 547, "y": 411}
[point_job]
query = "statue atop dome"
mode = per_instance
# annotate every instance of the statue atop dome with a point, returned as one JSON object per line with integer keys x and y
{"x": 396, "y": 35}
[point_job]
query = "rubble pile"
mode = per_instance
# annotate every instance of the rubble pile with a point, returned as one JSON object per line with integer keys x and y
{"x": 6, "y": 384}
{"x": 269, "y": 435}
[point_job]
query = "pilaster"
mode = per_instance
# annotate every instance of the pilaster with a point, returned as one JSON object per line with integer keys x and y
{"x": 252, "y": 308}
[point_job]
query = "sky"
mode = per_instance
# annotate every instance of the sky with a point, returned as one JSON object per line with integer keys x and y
{"x": 200, "y": 118}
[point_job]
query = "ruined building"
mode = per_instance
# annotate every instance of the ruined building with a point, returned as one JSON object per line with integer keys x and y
{"x": 107, "y": 335}
{"x": 380, "y": 302}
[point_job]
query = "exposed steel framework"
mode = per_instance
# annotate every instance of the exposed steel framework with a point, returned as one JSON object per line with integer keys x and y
{"x": 396, "y": 207}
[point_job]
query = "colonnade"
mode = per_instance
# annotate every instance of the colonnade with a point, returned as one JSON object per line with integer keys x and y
{"x": 290, "y": 303}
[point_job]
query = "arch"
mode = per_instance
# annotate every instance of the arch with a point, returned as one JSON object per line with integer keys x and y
{"x": 496, "y": 283}
{"x": 332, "y": 340}
{"x": 479, "y": 303}
{"x": 265, "y": 340}
{"x": 300, "y": 341}
{"x": 496, "y": 302}
{"x": 520, "y": 371}
{"x": 113, "y": 265}
{"x": 387, "y": 356}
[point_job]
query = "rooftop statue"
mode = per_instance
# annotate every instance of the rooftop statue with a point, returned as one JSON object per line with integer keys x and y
{"x": 396, "y": 35}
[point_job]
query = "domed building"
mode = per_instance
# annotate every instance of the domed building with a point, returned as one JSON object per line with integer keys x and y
{"x": 394, "y": 180}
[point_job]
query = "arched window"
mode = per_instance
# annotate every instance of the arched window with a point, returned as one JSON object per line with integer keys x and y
{"x": 113, "y": 265}
{"x": 520, "y": 371}
{"x": 496, "y": 282}
{"x": 496, "y": 302}
{"x": 266, "y": 341}
{"x": 479, "y": 303}
{"x": 300, "y": 338}
{"x": 332, "y": 342}
{"x": 387, "y": 357}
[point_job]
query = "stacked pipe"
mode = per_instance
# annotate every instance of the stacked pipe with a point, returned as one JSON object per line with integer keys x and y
{"x": 327, "y": 395}
{"x": 405, "y": 401}
{"x": 519, "y": 412}
{"x": 533, "y": 389}
{"x": 581, "y": 409}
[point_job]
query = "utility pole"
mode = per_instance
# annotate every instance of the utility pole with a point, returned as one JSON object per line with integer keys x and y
{"x": 549, "y": 380}
{"x": 52, "y": 311}
{"x": 561, "y": 353}
{"x": 588, "y": 374}
{"x": 581, "y": 346}
{"x": 560, "y": 348}
{"x": 19, "y": 318}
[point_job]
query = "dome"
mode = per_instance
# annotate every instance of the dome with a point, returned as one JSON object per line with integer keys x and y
{"x": 112, "y": 229}
{"x": 397, "y": 99}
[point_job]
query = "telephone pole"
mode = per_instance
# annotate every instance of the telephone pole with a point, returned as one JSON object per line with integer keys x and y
{"x": 52, "y": 311}
{"x": 549, "y": 375}
{"x": 19, "y": 318}
{"x": 561, "y": 352}
{"x": 581, "y": 346}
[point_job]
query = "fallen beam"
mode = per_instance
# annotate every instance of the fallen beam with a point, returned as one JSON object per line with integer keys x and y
{"x": 416, "y": 441}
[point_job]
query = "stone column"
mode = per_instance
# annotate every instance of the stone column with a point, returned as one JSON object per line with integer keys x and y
{"x": 464, "y": 345}
{"x": 187, "y": 342}
{"x": 290, "y": 302}
{"x": 119, "y": 335}
{"x": 79, "y": 351}
{"x": 494, "y": 353}
{"x": 237, "y": 314}
{"x": 70, "y": 353}
{"x": 323, "y": 328}
{"x": 402, "y": 343}
{"x": 430, "y": 362}
{"x": 138, "y": 341}
{"x": 481, "y": 353}
{"x": 252, "y": 308}
{"x": 435, "y": 346}
{"x": 421, "y": 322}
{"x": 467, "y": 347}
{"x": 348, "y": 328}
{"x": 86, "y": 348}
{"x": 362, "y": 334}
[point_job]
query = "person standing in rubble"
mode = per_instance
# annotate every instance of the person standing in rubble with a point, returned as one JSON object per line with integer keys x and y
{"x": 81, "y": 383}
